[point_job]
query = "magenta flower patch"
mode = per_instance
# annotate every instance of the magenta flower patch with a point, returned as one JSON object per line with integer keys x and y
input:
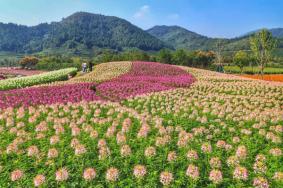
{"x": 47, "y": 95}
{"x": 145, "y": 77}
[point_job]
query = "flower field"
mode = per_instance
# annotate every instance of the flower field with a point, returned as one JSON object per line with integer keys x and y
{"x": 170, "y": 126}
{"x": 17, "y": 71}
{"x": 268, "y": 77}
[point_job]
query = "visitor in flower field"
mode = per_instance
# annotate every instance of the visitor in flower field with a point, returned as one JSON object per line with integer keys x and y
{"x": 84, "y": 67}
{"x": 90, "y": 65}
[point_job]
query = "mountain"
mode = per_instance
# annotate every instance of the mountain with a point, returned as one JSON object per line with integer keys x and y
{"x": 276, "y": 32}
{"x": 181, "y": 38}
{"x": 80, "y": 31}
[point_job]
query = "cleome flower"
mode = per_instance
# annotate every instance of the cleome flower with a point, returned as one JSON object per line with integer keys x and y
{"x": 240, "y": 173}
{"x": 32, "y": 151}
{"x": 215, "y": 176}
{"x": 192, "y": 172}
{"x": 16, "y": 175}
{"x": 61, "y": 175}
{"x": 260, "y": 182}
{"x": 39, "y": 180}
{"x": 139, "y": 171}
{"x": 150, "y": 151}
{"x": 52, "y": 153}
{"x": 112, "y": 174}
{"x": 166, "y": 178}
{"x": 89, "y": 174}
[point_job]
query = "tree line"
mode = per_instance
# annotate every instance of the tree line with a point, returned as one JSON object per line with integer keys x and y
{"x": 262, "y": 45}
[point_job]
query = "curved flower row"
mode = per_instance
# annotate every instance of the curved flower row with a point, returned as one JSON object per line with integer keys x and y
{"x": 101, "y": 73}
{"x": 145, "y": 77}
{"x": 17, "y": 71}
{"x": 47, "y": 95}
{"x": 22, "y": 82}
{"x": 104, "y": 72}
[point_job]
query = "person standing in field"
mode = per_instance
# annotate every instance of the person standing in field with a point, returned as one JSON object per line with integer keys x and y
{"x": 90, "y": 65}
{"x": 84, "y": 67}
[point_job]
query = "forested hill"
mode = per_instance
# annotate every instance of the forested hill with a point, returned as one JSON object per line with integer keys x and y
{"x": 79, "y": 31}
{"x": 181, "y": 38}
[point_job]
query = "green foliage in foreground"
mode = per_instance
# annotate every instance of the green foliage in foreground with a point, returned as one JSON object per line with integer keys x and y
{"x": 22, "y": 82}
{"x": 253, "y": 70}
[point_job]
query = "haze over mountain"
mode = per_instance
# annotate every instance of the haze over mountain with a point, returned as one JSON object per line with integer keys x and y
{"x": 84, "y": 31}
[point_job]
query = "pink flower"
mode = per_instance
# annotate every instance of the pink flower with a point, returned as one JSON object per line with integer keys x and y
{"x": 240, "y": 173}
{"x": 260, "y": 182}
{"x": 16, "y": 175}
{"x": 172, "y": 156}
{"x": 52, "y": 153}
{"x": 54, "y": 139}
{"x": 276, "y": 152}
{"x": 278, "y": 176}
{"x": 62, "y": 174}
{"x": 192, "y": 155}
{"x": 112, "y": 174}
{"x": 215, "y": 176}
{"x": 80, "y": 149}
{"x": 192, "y": 171}
{"x": 166, "y": 178}
{"x": 150, "y": 151}
{"x": 206, "y": 148}
{"x": 241, "y": 152}
{"x": 38, "y": 180}
{"x": 139, "y": 171}
{"x": 33, "y": 151}
{"x": 215, "y": 162}
{"x": 125, "y": 150}
{"x": 89, "y": 174}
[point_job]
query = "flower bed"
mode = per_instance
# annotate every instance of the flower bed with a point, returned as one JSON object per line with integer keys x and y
{"x": 104, "y": 72}
{"x": 22, "y": 82}
{"x": 47, "y": 95}
{"x": 17, "y": 71}
{"x": 145, "y": 77}
{"x": 266, "y": 77}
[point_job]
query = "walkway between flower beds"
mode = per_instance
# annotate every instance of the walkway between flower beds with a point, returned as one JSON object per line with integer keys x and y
{"x": 144, "y": 77}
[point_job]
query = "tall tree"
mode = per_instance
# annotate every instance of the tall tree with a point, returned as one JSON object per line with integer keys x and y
{"x": 262, "y": 44}
{"x": 180, "y": 57}
{"x": 241, "y": 59}
{"x": 165, "y": 56}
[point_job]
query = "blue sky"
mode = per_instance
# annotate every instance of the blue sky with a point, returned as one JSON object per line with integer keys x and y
{"x": 214, "y": 18}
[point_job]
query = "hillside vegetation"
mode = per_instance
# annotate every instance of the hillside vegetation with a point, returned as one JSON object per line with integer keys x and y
{"x": 77, "y": 33}
{"x": 181, "y": 38}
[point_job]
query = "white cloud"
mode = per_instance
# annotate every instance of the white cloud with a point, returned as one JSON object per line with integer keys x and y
{"x": 174, "y": 16}
{"x": 142, "y": 12}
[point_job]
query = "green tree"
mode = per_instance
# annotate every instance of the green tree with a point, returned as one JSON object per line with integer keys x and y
{"x": 241, "y": 59}
{"x": 262, "y": 44}
{"x": 165, "y": 56}
{"x": 180, "y": 57}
